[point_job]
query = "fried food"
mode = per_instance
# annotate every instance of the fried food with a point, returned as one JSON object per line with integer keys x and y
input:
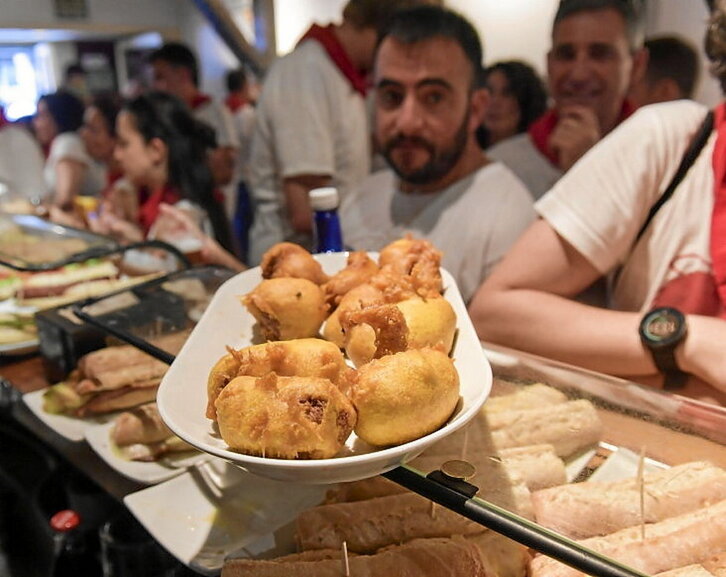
{"x": 360, "y": 297}
{"x": 284, "y": 417}
{"x": 287, "y": 308}
{"x": 288, "y": 260}
{"x": 301, "y": 357}
{"x": 404, "y": 396}
{"x": 418, "y": 259}
{"x": 382, "y": 330}
{"x": 358, "y": 270}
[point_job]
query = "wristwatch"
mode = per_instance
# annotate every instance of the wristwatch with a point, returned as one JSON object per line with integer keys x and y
{"x": 661, "y": 330}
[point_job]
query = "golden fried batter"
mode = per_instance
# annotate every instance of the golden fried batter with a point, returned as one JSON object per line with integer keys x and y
{"x": 286, "y": 259}
{"x": 405, "y": 396}
{"x": 358, "y": 270}
{"x": 287, "y": 308}
{"x": 374, "y": 332}
{"x": 300, "y": 357}
{"x": 418, "y": 259}
{"x": 284, "y": 417}
{"x": 362, "y": 296}
{"x": 431, "y": 322}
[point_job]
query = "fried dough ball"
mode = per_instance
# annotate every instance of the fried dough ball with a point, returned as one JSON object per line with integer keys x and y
{"x": 402, "y": 397}
{"x": 287, "y": 308}
{"x": 418, "y": 259}
{"x": 288, "y": 260}
{"x": 382, "y": 330}
{"x": 284, "y": 417}
{"x": 374, "y": 332}
{"x": 362, "y": 296}
{"x": 300, "y": 357}
{"x": 358, "y": 270}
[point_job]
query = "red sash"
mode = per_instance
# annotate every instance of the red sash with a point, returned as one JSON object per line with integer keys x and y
{"x": 149, "y": 209}
{"x": 718, "y": 217}
{"x": 541, "y": 130}
{"x": 334, "y": 48}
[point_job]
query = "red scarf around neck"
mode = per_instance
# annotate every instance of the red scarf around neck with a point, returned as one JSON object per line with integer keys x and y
{"x": 234, "y": 102}
{"x": 199, "y": 99}
{"x": 329, "y": 41}
{"x": 149, "y": 205}
{"x": 718, "y": 217}
{"x": 541, "y": 130}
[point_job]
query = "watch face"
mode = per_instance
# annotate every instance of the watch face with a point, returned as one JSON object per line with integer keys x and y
{"x": 663, "y": 327}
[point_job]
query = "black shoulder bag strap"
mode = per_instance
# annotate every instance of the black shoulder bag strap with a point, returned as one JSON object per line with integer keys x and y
{"x": 689, "y": 157}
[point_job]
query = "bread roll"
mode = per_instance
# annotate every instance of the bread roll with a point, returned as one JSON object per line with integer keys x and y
{"x": 675, "y": 542}
{"x": 529, "y": 397}
{"x": 369, "y": 525}
{"x": 422, "y": 557}
{"x": 597, "y": 508}
{"x": 713, "y": 567}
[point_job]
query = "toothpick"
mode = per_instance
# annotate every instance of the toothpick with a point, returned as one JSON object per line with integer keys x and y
{"x": 465, "y": 444}
{"x": 432, "y": 511}
{"x": 346, "y": 566}
{"x": 641, "y": 489}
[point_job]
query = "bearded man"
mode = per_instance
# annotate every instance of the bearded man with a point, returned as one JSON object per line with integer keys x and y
{"x": 439, "y": 186}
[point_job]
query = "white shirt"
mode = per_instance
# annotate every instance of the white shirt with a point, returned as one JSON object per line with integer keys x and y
{"x": 309, "y": 120}
{"x": 473, "y": 222}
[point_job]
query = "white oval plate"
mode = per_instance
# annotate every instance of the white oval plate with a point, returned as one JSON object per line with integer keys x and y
{"x": 182, "y": 395}
{"x": 98, "y": 436}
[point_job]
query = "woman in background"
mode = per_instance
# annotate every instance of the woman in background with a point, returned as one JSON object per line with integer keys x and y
{"x": 161, "y": 150}
{"x": 517, "y": 97}
{"x": 67, "y": 166}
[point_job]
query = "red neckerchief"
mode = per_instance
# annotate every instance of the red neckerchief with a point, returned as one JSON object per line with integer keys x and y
{"x": 718, "y": 217}
{"x": 334, "y": 48}
{"x": 234, "y": 102}
{"x": 150, "y": 201}
{"x": 3, "y": 118}
{"x": 198, "y": 100}
{"x": 541, "y": 130}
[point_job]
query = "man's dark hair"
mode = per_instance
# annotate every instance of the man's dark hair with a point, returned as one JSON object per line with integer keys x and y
{"x": 630, "y": 10}
{"x": 716, "y": 43}
{"x": 177, "y": 55}
{"x": 375, "y": 13}
{"x": 427, "y": 22}
{"x": 236, "y": 80}
{"x": 675, "y": 58}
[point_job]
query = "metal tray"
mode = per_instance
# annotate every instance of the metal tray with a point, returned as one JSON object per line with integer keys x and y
{"x": 37, "y": 230}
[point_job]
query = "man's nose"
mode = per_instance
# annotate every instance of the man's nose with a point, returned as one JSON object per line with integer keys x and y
{"x": 581, "y": 68}
{"x": 410, "y": 115}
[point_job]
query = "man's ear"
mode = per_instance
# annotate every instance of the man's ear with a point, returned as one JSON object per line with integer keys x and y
{"x": 478, "y": 107}
{"x": 640, "y": 64}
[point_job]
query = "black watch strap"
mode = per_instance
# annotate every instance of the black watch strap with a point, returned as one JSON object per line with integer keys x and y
{"x": 661, "y": 331}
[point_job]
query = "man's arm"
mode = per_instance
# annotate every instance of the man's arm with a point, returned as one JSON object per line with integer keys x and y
{"x": 296, "y": 191}
{"x": 69, "y": 176}
{"x": 525, "y": 304}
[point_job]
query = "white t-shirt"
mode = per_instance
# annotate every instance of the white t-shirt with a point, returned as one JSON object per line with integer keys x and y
{"x": 69, "y": 146}
{"x": 602, "y": 201}
{"x": 21, "y": 163}
{"x": 522, "y": 157}
{"x": 219, "y": 118}
{"x": 309, "y": 121}
{"x": 473, "y": 222}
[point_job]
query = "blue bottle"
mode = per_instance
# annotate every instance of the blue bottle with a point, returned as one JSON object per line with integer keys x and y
{"x": 327, "y": 234}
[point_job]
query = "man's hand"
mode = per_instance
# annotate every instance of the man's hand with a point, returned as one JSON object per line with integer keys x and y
{"x": 577, "y": 131}
{"x": 702, "y": 352}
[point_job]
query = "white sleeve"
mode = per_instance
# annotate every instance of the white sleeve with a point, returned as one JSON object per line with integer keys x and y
{"x": 602, "y": 201}
{"x": 69, "y": 146}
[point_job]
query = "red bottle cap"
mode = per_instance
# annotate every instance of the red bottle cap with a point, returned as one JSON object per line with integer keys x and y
{"x": 65, "y": 520}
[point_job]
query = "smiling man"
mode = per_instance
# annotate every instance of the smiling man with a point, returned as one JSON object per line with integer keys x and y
{"x": 596, "y": 56}
{"x": 439, "y": 185}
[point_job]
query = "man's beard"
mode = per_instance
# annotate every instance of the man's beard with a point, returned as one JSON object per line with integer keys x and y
{"x": 440, "y": 161}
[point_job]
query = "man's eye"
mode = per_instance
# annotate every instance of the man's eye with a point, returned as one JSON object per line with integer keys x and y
{"x": 563, "y": 53}
{"x": 433, "y": 98}
{"x": 389, "y": 98}
{"x": 601, "y": 52}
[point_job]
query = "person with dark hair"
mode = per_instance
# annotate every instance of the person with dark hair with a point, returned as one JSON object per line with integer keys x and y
{"x": 429, "y": 101}
{"x": 67, "y": 167}
{"x": 596, "y": 56}
{"x": 162, "y": 149}
{"x": 517, "y": 97}
{"x": 647, "y": 207}
{"x": 672, "y": 73}
{"x": 311, "y": 126}
{"x": 176, "y": 71}
{"x": 75, "y": 82}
